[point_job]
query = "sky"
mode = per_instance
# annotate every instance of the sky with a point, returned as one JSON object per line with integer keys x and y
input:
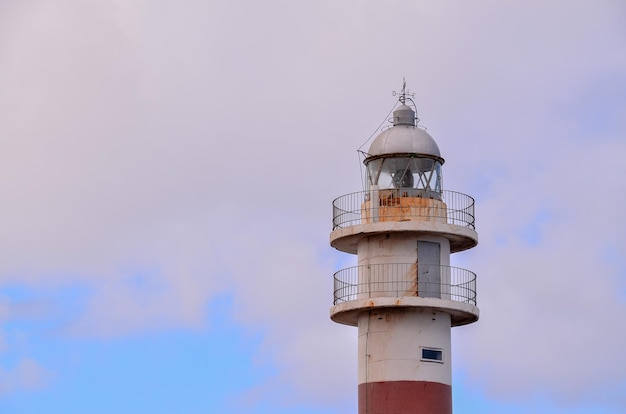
{"x": 166, "y": 177}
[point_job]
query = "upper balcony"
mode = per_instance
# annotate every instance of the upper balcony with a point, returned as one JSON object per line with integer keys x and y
{"x": 447, "y": 213}
{"x": 403, "y": 205}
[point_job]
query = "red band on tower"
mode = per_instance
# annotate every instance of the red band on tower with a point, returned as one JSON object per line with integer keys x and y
{"x": 405, "y": 397}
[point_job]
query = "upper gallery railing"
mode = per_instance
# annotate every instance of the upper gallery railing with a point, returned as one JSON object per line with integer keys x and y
{"x": 403, "y": 205}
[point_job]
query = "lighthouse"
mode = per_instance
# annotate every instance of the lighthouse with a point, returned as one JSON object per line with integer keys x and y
{"x": 403, "y": 295}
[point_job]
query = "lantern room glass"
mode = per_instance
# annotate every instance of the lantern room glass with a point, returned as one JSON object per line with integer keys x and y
{"x": 406, "y": 172}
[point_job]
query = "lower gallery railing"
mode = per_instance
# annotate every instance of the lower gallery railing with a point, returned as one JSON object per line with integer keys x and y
{"x": 405, "y": 279}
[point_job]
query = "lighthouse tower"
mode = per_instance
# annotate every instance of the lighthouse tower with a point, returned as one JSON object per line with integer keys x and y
{"x": 403, "y": 295}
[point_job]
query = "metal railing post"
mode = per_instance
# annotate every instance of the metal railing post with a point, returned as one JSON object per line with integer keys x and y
{"x": 374, "y": 203}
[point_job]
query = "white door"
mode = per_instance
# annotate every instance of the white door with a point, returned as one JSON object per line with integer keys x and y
{"x": 428, "y": 269}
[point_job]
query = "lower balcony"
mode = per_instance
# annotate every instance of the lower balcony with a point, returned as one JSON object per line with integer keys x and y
{"x": 447, "y": 288}
{"x": 405, "y": 279}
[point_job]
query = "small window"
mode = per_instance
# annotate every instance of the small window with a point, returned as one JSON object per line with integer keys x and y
{"x": 432, "y": 355}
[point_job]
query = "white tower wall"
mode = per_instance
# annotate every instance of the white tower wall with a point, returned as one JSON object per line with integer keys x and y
{"x": 398, "y": 248}
{"x": 391, "y": 343}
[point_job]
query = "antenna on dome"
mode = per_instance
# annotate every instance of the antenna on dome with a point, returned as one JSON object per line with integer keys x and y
{"x": 404, "y": 93}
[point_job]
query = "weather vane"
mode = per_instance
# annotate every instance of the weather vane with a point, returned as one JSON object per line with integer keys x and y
{"x": 404, "y": 93}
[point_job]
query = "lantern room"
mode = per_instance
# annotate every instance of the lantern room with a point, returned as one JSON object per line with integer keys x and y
{"x": 405, "y": 157}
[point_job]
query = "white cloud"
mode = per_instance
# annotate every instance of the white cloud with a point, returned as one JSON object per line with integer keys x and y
{"x": 26, "y": 375}
{"x": 160, "y": 153}
{"x": 282, "y": 286}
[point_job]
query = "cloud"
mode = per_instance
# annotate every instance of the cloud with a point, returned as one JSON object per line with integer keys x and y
{"x": 158, "y": 154}
{"x": 26, "y": 375}
{"x": 545, "y": 304}
{"x": 283, "y": 287}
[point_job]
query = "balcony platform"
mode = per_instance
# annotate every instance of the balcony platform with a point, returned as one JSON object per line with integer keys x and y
{"x": 347, "y": 313}
{"x": 346, "y": 239}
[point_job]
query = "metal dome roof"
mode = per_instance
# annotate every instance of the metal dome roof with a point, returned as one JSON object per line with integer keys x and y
{"x": 404, "y": 139}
